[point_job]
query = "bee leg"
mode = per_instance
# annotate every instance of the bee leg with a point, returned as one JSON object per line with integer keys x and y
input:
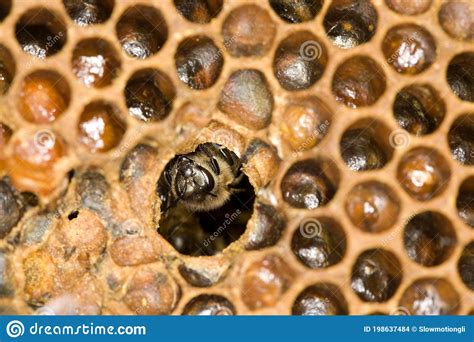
{"x": 227, "y": 156}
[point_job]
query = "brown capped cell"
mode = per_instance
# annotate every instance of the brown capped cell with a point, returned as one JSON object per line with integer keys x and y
{"x": 465, "y": 201}
{"x": 142, "y": 31}
{"x": 265, "y": 281}
{"x": 149, "y": 95}
{"x": 419, "y": 109}
{"x": 423, "y": 173}
{"x": 409, "y": 7}
{"x": 296, "y": 11}
{"x": 35, "y": 159}
{"x": 44, "y": 96}
{"x": 5, "y": 136}
{"x": 466, "y": 265}
{"x": 91, "y": 12}
{"x": 209, "y": 305}
{"x": 372, "y": 206}
{"x": 41, "y": 32}
{"x": 198, "y": 62}
{"x": 199, "y": 11}
{"x": 430, "y": 296}
{"x": 320, "y": 299}
{"x": 460, "y": 75}
{"x": 358, "y": 81}
{"x": 457, "y": 19}
{"x": 461, "y": 139}
{"x": 349, "y": 23}
{"x": 429, "y": 238}
{"x": 309, "y": 184}
{"x": 151, "y": 291}
{"x": 95, "y": 62}
{"x": 40, "y": 272}
{"x": 305, "y": 122}
{"x": 409, "y": 48}
{"x": 376, "y": 275}
{"x": 7, "y": 69}
{"x": 247, "y": 99}
{"x": 300, "y": 60}
{"x": 248, "y": 31}
{"x": 100, "y": 127}
{"x": 267, "y": 227}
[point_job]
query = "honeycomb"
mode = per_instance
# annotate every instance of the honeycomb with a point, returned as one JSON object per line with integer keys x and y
{"x": 354, "y": 121}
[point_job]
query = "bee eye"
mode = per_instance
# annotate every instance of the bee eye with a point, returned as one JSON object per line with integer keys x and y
{"x": 215, "y": 166}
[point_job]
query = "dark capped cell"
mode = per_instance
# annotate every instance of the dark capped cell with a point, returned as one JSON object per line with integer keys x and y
{"x": 209, "y": 305}
{"x": 142, "y": 31}
{"x": 149, "y": 95}
{"x": 35, "y": 228}
{"x": 308, "y": 184}
{"x": 11, "y": 209}
{"x": 7, "y": 69}
{"x": 461, "y": 139}
{"x": 419, "y": 109}
{"x": 319, "y": 242}
{"x": 198, "y": 62}
{"x": 92, "y": 190}
{"x": 376, "y": 275}
{"x": 5, "y": 8}
{"x": 460, "y": 76}
{"x": 6, "y": 286}
{"x": 89, "y": 12}
{"x": 320, "y": 299}
{"x": 296, "y": 11}
{"x": 267, "y": 228}
{"x": 350, "y": 23}
{"x": 429, "y": 238}
{"x": 466, "y": 265}
{"x": 198, "y": 11}
{"x": 41, "y": 32}
{"x": 300, "y": 60}
{"x": 465, "y": 201}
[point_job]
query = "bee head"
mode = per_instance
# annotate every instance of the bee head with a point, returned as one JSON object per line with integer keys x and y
{"x": 193, "y": 182}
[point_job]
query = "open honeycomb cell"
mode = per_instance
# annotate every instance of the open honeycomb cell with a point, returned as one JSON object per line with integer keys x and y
{"x": 339, "y": 134}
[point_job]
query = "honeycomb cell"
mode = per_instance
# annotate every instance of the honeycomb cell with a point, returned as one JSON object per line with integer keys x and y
{"x": 305, "y": 122}
{"x": 430, "y": 296}
{"x": 5, "y": 8}
{"x": 198, "y": 62}
{"x": 423, "y": 173}
{"x": 267, "y": 228}
{"x": 89, "y": 12}
{"x": 376, "y": 275}
{"x": 461, "y": 139}
{"x": 296, "y": 11}
{"x": 358, "y": 81}
{"x": 100, "y": 127}
{"x": 319, "y": 242}
{"x": 466, "y": 265}
{"x": 7, "y": 69}
{"x": 419, "y": 109}
{"x": 409, "y": 48}
{"x": 364, "y": 145}
{"x": 5, "y": 136}
{"x": 372, "y": 206}
{"x": 247, "y": 99}
{"x": 457, "y": 19}
{"x": 320, "y": 299}
{"x": 149, "y": 95}
{"x": 36, "y": 157}
{"x": 95, "y": 62}
{"x": 349, "y": 23}
{"x": 142, "y": 31}
{"x": 309, "y": 183}
{"x": 460, "y": 76}
{"x": 199, "y": 11}
{"x": 300, "y": 60}
{"x": 11, "y": 209}
{"x": 409, "y": 7}
{"x": 209, "y": 305}
{"x": 44, "y": 96}
{"x": 41, "y": 32}
{"x": 465, "y": 201}
{"x": 248, "y": 31}
{"x": 265, "y": 281}
{"x": 429, "y": 238}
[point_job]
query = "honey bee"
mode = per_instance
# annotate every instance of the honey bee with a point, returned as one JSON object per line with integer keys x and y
{"x": 200, "y": 181}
